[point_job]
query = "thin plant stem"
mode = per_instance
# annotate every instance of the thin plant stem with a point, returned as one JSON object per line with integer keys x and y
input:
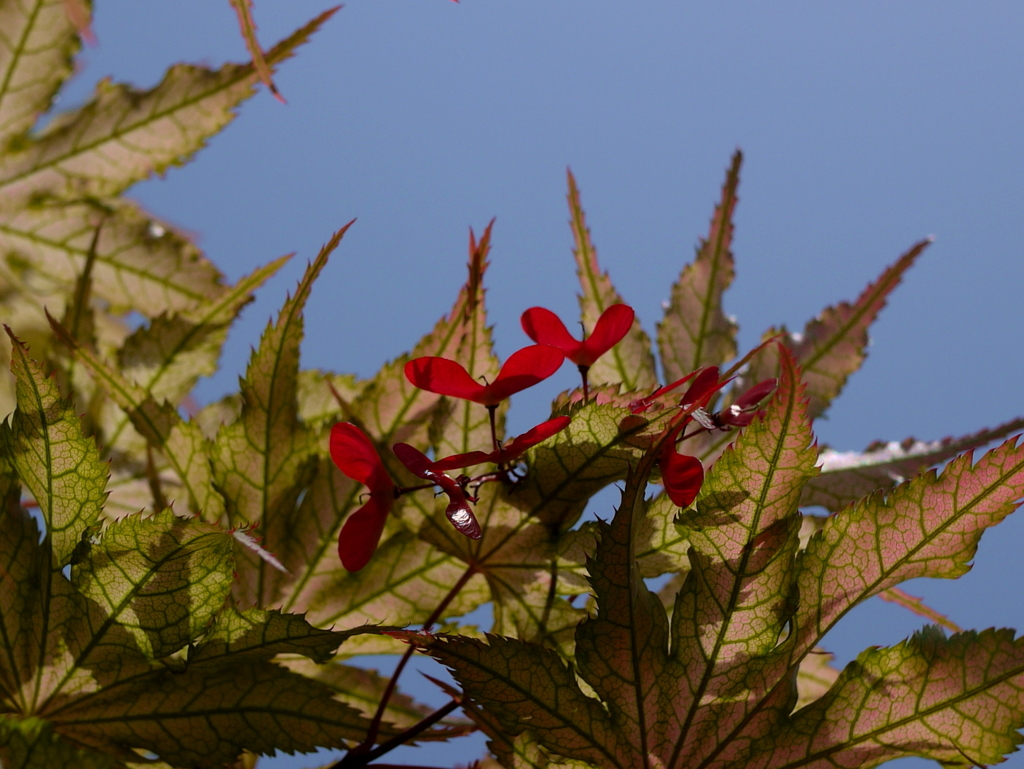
{"x": 374, "y": 730}
{"x": 586, "y": 390}
{"x": 491, "y": 412}
{"x": 362, "y": 759}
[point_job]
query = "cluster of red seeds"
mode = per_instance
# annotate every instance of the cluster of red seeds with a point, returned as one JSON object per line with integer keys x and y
{"x": 355, "y": 455}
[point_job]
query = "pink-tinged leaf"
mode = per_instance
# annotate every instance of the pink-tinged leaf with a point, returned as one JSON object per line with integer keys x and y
{"x": 80, "y": 16}
{"x": 630, "y": 361}
{"x": 361, "y": 533}
{"x": 927, "y": 527}
{"x": 682, "y": 476}
{"x": 247, "y": 25}
{"x": 736, "y": 601}
{"x": 832, "y": 345}
{"x": 956, "y": 700}
{"x": 850, "y": 475}
{"x": 36, "y": 56}
{"x": 524, "y": 685}
{"x": 694, "y": 331}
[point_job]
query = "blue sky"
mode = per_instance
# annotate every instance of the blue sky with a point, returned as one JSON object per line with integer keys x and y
{"x": 865, "y": 126}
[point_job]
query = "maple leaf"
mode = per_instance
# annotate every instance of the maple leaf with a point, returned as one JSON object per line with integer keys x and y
{"x": 63, "y": 182}
{"x": 630, "y": 361}
{"x": 119, "y": 638}
{"x": 716, "y": 686}
{"x": 526, "y": 561}
{"x": 847, "y": 476}
{"x": 694, "y": 331}
{"x": 263, "y": 460}
{"x": 459, "y": 425}
{"x": 831, "y": 346}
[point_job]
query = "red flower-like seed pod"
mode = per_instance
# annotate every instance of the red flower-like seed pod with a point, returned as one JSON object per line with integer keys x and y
{"x": 544, "y": 327}
{"x": 356, "y": 457}
{"x": 524, "y": 368}
{"x": 681, "y": 474}
{"x": 458, "y": 511}
{"x": 513, "y": 450}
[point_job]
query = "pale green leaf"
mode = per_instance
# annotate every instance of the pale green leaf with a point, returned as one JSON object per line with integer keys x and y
{"x": 594, "y": 451}
{"x": 125, "y": 135}
{"x": 69, "y": 658}
{"x": 630, "y": 361}
{"x": 59, "y": 465}
{"x": 256, "y": 634}
{"x": 56, "y": 643}
{"x": 262, "y": 461}
{"x": 694, "y": 331}
{"x": 162, "y": 578}
{"x": 318, "y": 393}
{"x": 182, "y": 443}
{"x": 172, "y": 352}
{"x": 140, "y": 265}
{"x": 310, "y": 552}
{"x": 815, "y": 677}
{"x": 37, "y": 41}
{"x": 661, "y": 547}
{"x": 404, "y": 582}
